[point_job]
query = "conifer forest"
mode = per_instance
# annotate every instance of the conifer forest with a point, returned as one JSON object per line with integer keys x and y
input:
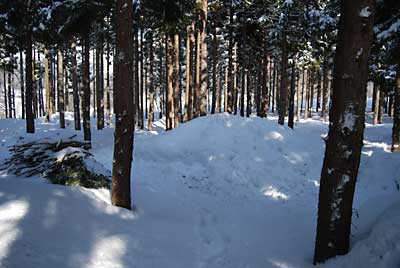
{"x": 200, "y": 133}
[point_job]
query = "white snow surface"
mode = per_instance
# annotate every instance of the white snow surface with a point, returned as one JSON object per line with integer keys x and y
{"x": 219, "y": 191}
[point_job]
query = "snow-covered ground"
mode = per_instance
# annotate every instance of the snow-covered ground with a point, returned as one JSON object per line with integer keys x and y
{"x": 219, "y": 191}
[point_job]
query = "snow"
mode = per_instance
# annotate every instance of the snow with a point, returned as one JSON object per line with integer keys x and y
{"x": 219, "y": 191}
{"x": 365, "y": 12}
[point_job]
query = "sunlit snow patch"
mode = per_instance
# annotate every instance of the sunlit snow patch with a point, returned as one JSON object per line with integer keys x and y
{"x": 275, "y": 194}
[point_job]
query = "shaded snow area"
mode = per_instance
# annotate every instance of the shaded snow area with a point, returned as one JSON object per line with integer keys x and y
{"x": 218, "y": 192}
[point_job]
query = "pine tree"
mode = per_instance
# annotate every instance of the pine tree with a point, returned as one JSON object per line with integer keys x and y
{"x": 123, "y": 144}
{"x": 345, "y": 137}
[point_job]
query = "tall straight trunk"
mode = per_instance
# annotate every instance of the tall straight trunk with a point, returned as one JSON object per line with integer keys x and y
{"x": 75, "y": 89}
{"x": 30, "y": 122}
{"x": 40, "y": 87}
{"x": 162, "y": 84}
{"x": 136, "y": 75}
{"x": 52, "y": 86}
{"x": 318, "y": 106}
{"x": 230, "y": 86}
{"x": 170, "y": 84}
{"x": 14, "y": 110}
{"x": 175, "y": 77}
{"x": 382, "y": 105}
{"x": 249, "y": 84}
{"x": 273, "y": 87}
{"x": 291, "y": 97}
{"x": 151, "y": 90}
{"x": 188, "y": 95}
{"x": 66, "y": 90}
{"x": 346, "y": 129}
{"x": 197, "y": 90}
{"x": 283, "y": 97}
{"x": 94, "y": 81}
{"x": 60, "y": 88}
{"x": 9, "y": 95}
{"x": 226, "y": 89}
{"x": 244, "y": 83}
{"x": 47, "y": 83}
{"x": 34, "y": 84}
{"x": 264, "y": 86}
{"x": 303, "y": 79}
{"x": 99, "y": 87}
{"x": 124, "y": 127}
{"x": 219, "y": 88}
{"x": 377, "y": 103}
{"x": 214, "y": 71}
{"x": 193, "y": 71}
{"x": 21, "y": 75}
{"x": 5, "y": 94}
{"x": 325, "y": 91}
{"x": 396, "y": 117}
{"x": 298, "y": 98}
{"x": 312, "y": 86}
{"x": 234, "y": 79}
{"x": 86, "y": 88}
{"x": 258, "y": 89}
{"x": 141, "y": 103}
{"x": 204, "y": 72}
{"x": 108, "y": 89}
{"x": 307, "y": 97}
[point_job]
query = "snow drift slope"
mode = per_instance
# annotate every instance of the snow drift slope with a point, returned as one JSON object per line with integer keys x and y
{"x": 219, "y": 191}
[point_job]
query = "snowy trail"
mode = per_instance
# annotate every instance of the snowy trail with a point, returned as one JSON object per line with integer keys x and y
{"x": 218, "y": 192}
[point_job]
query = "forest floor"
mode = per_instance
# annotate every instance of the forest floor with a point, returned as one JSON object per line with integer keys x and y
{"x": 218, "y": 192}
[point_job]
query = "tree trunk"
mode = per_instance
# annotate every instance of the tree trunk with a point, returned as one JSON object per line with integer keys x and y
{"x": 170, "y": 84}
{"x": 60, "y": 88}
{"x": 21, "y": 74}
{"x": 40, "y": 86}
{"x": 30, "y": 122}
{"x": 123, "y": 143}
{"x": 52, "y": 86}
{"x": 244, "y": 83}
{"x": 9, "y": 95}
{"x": 283, "y": 84}
{"x": 318, "y": 90}
{"x": 346, "y": 129}
{"x": 140, "y": 115}
{"x": 204, "y": 72}
{"x": 273, "y": 87}
{"x": 377, "y": 103}
{"x": 175, "y": 77}
{"x": 298, "y": 98}
{"x": 234, "y": 79}
{"x": 230, "y": 87}
{"x": 188, "y": 94}
{"x": 307, "y": 97}
{"x": 197, "y": 90}
{"x": 108, "y": 89}
{"x": 162, "y": 84}
{"x": 136, "y": 76}
{"x": 396, "y": 117}
{"x": 99, "y": 88}
{"x": 47, "y": 85}
{"x": 248, "y": 89}
{"x": 265, "y": 78}
{"x": 325, "y": 91}
{"x": 151, "y": 91}
{"x": 75, "y": 89}
{"x": 291, "y": 98}
{"x": 215, "y": 71}
{"x": 382, "y": 105}
{"x": 86, "y": 88}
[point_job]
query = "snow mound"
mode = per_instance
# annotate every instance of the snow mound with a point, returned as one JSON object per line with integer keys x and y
{"x": 381, "y": 249}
